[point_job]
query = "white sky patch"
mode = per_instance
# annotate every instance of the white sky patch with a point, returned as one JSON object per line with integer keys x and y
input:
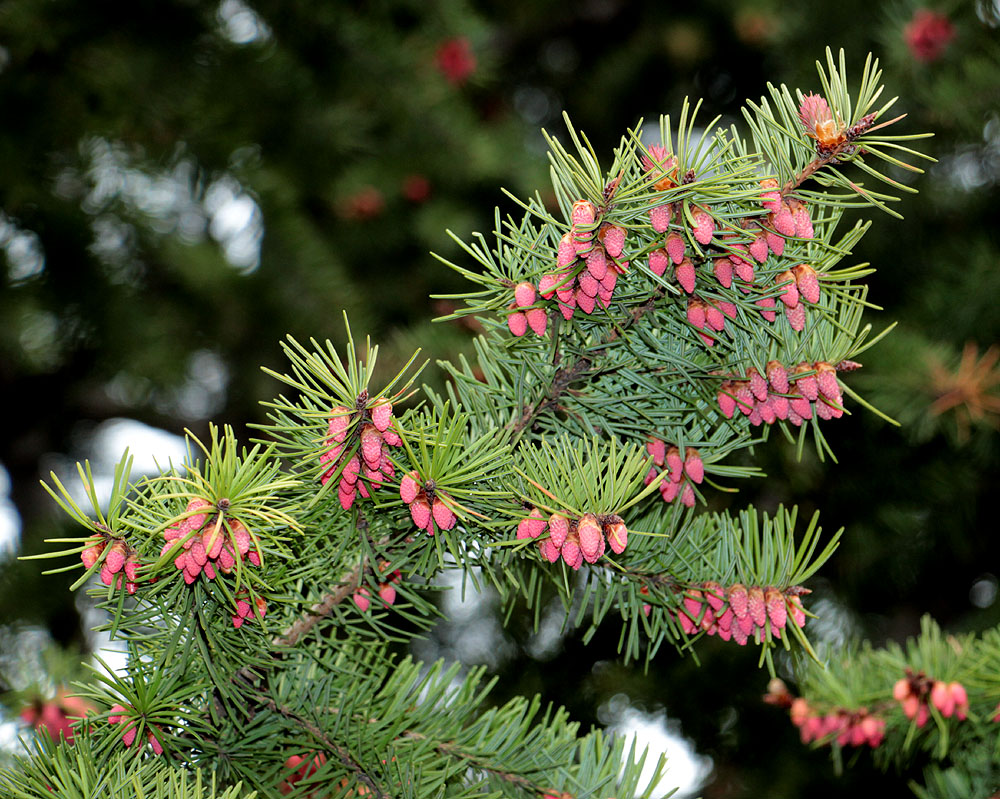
{"x": 686, "y": 770}
{"x": 10, "y": 519}
{"x": 23, "y": 248}
{"x": 170, "y": 199}
{"x": 150, "y": 447}
{"x": 240, "y": 24}
{"x": 236, "y": 222}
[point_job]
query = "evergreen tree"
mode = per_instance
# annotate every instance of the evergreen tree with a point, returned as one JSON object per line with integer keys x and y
{"x": 643, "y": 333}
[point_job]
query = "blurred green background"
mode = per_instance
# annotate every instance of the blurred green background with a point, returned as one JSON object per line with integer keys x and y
{"x": 183, "y": 183}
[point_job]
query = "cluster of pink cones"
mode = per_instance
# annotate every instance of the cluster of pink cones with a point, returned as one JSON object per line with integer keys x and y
{"x": 428, "y": 505}
{"x": 120, "y": 714}
{"x": 916, "y": 690}
{"x": 369, "y": 428}
{"x": 575, "y": 540}
{"x": 787, "y": 216}
{"x": 386, "y": 589}
{"x": 798, "y": 283}
{"x": 792, "y": 395}
{"x": 846, "y": 727}
{"x": 212, "y": 542}
{"x": 587, "y": 265}
{"x": 524, "y": 313}
{"x": 740, "y": 613}
{"x": 683, "y": 471}
{"x": 120, "y": 563}
{"x": 244, "y": 609}
{"x": 709, "y": 315}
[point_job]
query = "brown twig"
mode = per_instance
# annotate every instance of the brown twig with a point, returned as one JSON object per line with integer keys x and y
{"x": 565, "y": 377}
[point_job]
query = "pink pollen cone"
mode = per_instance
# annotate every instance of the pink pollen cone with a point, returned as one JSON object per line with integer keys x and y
{"x": 340, "y": 420}
{"x": 116, "y": 557}
{"x": 744, "y": 269}
{"x": 758, "y": 385}
{"x": 775, "y": 243}
{"x": 659, "y": 217}
{"x": 738, "y": 599}
{"x": 532, "y": 526}
{"x": 723, "y": 269}
{"x": 704, "y": 226}
{"x": 382, "y": 416}
{"x": 566, "y": 253}
{"x": 685, "y": 273}
{"x": 715, "y": 318}
{"x": 777, "y": 377}
{"x": 807, "y": 386}
{"x": 797, "y": 317}
{"x": 694, "y": 467}
{"x": 408, "y": 487}
{"x": 696, "y": 313}
{"x": 675, "y": 247}
{"x": 614, "y": 239}
{"x": 766, "y": 304}
{"x": 657, "y": 449}
{"x": 807, "y": 282}
{"x": 591, "y": 537}
{"x": 758, "y": 248}
{"x": 444, "y": 517}
{"x": 549, "y": 550}
{"x": 518, "y": 323}
{"x": 770, "y": 197}
{"x": 942, "y": 699}
{"x": 420, "y": 512}
{"x": 387, "y": 593}
{"x": 547, "y": 285}
{"x": 658, "y": 262}
{"x": 558, "y": 530}
{"x": 789, "y": 292}
{"x": 756, "y": 606}
{"x": 826, "y": 381}
{"x": 727, "y": 404}
{"x": 524, "y": 294}
{"x": 776, "y": 610}
{"x": 583, "y": 213}
{"x": 617, "y": 534}
{"x": 597, "y": 263}
{"x": 714, "y": 594}
{"x": 571, "y": 552}
{"x": 538, "y": 319}
{"x": 588, "y": 284}
{"x": 675, "y": 464}
{"x": 371, "y": 445}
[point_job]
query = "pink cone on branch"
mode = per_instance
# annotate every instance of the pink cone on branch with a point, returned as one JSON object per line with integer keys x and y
{"x": 659, "y": 217}
{"x": 723, "y": 269}
{"x": 658, "y": 262}
{"x": 524, "y": 294}
{"x": 558, "y": 529}
{"x": 807, "y": 282}
{"x": 518, "y": 323}
{"x": 685, "y": 274}
{"x": 617, "y": 533}
{"x": 538, "y": 320}
{"x": 591, "y": 537}
{"x": 694, "y": 468}
{"x": 704, "y": 225}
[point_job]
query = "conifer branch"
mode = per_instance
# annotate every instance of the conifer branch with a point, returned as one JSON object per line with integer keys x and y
{"x": 565, "y": 377}
{"x": 453, "y": 750}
